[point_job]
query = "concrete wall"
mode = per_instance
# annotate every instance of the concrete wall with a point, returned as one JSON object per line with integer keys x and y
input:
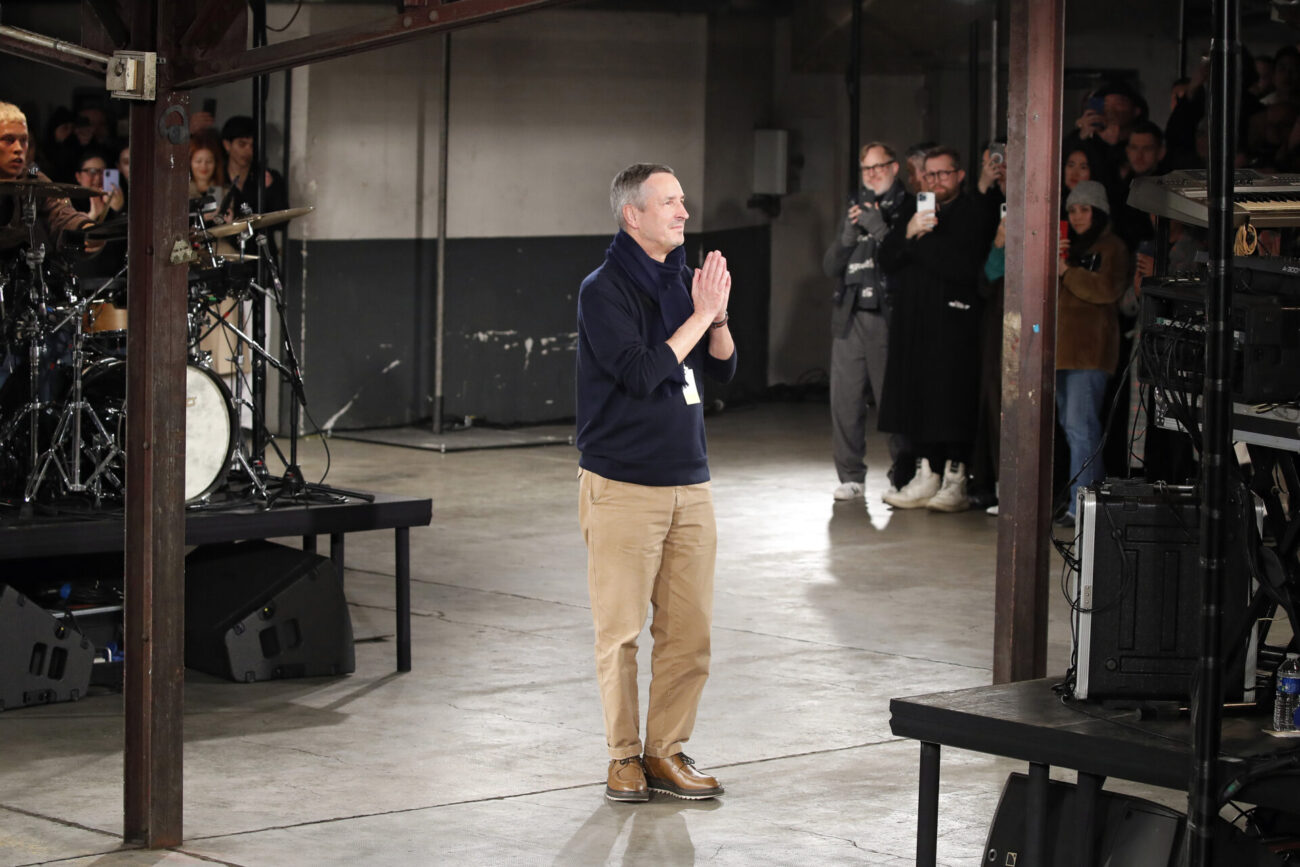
{"x": 545, "y": 108}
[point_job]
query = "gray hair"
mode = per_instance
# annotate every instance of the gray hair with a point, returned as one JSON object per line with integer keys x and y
{"x": 626, "y": 188}
{"x": 10, "y": 113}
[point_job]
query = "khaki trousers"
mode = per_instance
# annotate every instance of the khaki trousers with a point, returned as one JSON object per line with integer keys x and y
{"x": 649, "y": 546}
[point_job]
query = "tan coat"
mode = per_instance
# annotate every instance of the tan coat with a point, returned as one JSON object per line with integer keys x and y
{"x": 1087, "y": 323}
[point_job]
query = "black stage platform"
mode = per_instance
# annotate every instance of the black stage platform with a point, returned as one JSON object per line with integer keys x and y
{"x": 89, "y": 533}
{"x": 1028, "y": 721}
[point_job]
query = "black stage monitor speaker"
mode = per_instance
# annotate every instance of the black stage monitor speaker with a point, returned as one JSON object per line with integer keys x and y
{"x": 1127, "y": 832}
{"x": 1138, "y": 622}
{"x": 41, "y": 659}
{"x": 261, "y": 611}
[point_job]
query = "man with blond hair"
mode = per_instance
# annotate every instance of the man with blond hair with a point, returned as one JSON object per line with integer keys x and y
{"x": 649, "y": 329}
{"x": 53, "y": 215}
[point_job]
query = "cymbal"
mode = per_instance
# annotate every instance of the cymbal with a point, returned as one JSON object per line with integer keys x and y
{"x": 225, "y": 230}
{"x": 275, "y": 218}
{"x": 107, "y": 231}
{"x": 256, "y": 221}
{"x": 47, "y": 189}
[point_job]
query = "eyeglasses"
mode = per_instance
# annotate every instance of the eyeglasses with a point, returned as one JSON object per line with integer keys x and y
{"x": 91, "y": 171}
{"x": 941, "y": 173}
{"x": 878, "y": 167}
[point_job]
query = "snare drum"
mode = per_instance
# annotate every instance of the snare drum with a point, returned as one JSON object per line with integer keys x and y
{"x": 209, "y": 420}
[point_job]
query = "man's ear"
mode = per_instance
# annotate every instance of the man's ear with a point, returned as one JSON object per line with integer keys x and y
{"x": 631, "y": 216}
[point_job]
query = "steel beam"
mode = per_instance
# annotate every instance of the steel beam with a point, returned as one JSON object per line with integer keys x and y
{"x": 1029, "y": 339}
{"x": 58, "y": 54}
{"x": 391, "y": 30}
{"x": 155, "y": 450}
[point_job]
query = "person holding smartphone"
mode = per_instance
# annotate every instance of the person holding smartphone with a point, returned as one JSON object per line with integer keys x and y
{"x": 1093, "y": 271}
{"x": 860, "y": 320}
{"x": 933, "y": 258}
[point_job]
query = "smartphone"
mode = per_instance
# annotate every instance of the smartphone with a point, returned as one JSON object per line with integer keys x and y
{"x": 997, "y": 153}
{"x": 925, "y": 201}
{"x": 1097, "y": 104}
{"x": 112, "y": 180}
{"x": 1004, "y": 210}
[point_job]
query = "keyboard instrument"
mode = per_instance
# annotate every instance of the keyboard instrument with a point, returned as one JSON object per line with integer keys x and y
{"x": 1266, "y": 200}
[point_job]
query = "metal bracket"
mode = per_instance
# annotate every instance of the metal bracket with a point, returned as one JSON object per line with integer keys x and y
{"x": 132, "y": 75}
{"x": 183, "y": 252}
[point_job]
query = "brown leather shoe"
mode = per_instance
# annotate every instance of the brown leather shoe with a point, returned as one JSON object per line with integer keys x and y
{"x": 677, "y": 776}
{"x": 626, "y": 780}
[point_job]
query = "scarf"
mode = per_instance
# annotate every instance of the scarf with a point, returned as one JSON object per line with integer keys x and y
{"x": 663, "y": 283}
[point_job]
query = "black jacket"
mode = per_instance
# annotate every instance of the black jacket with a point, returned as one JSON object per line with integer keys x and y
{"x": 862, "y": 286}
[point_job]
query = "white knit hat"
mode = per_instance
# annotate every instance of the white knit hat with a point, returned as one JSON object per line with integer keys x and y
{"x": 1089, "y": 193}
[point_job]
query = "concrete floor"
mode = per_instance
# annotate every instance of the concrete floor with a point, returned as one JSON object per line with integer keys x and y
{"x": 490, "y": 752}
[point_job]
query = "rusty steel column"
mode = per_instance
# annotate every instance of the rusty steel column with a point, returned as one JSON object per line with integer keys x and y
{"x": 1035, "y": 60}
{"x": 155, "y": 449}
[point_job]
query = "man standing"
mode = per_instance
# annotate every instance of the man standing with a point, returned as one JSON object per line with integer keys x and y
{"x": 237, "y": 139}
{"x": 932, "y": 376}
{"x": 860, "y": 316}
{"x": 649, "y": 328}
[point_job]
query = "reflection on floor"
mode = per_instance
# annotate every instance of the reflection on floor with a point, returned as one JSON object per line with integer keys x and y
{"x": 491, "y": 751}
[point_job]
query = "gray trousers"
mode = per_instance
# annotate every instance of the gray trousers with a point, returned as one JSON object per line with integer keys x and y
{"x": 857, "y": 370}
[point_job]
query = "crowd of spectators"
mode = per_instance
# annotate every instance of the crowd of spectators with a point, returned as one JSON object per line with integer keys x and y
{"x": 79, "y": 146}
{"x": 940, "y": 284}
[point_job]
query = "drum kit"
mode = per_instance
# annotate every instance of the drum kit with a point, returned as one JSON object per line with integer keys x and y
{"x": 63, "y": 344}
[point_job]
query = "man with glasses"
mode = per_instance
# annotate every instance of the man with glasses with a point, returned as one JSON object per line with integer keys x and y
{"x": 933, "y": 259}
{"x": 860, "y": 317}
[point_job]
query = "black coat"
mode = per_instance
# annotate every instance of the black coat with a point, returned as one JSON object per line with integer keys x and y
{"x": 932, "y": 375}
{"x": 838, "y": 258}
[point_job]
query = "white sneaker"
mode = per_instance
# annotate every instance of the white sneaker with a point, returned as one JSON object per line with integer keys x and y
{"x": 916, "y": 493}
{"x": 848, "y": 491}
{"x": 992, "y": 510}
{"x": 952, "y": 495}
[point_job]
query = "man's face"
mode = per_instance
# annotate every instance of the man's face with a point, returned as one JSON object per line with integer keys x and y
{"x": 91, "y": 173}
{"x": 1119, "y": 110}
{"x": 13, "y": 149}
{"x": 943, "y": 178}
{"x": 240, "y": 150}
{"x": 660, "y": 226}
{"x": 878, "y": 170}
{"x": 1144, "y": 153}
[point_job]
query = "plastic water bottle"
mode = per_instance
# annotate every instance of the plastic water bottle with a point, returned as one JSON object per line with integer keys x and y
{"x": 1288, "y": 694}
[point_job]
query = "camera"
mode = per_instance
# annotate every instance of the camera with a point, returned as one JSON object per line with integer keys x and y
{"x": 1090, "y": 261}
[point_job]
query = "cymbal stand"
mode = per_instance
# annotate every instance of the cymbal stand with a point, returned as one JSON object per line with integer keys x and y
{"x": 292, "y": 483}
{"x": 102, "y": 446}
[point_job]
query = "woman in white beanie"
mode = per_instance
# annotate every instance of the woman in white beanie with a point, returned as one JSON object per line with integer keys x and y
{"x": 1092, "y": 268}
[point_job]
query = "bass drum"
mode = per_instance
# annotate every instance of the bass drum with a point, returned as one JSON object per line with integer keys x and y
{"x": 209, "y": 420}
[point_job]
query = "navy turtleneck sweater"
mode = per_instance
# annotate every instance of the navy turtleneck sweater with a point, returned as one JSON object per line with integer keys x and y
{"x": 634, "y": 424}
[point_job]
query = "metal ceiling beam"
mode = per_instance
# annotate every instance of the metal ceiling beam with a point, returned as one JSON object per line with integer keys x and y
{"x": 433, "y": 18}
{"x": 52, "y": 52}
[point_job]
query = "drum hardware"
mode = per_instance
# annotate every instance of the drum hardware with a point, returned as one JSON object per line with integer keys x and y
{"x": 101, "y": 449}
